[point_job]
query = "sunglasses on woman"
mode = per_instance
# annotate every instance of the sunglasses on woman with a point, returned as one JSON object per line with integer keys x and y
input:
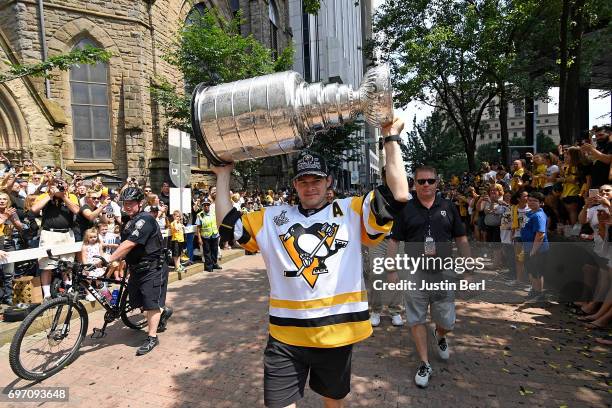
{"x": 429, "y": 181}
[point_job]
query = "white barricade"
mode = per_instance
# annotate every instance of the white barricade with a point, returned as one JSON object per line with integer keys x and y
{"x": 56, "y": 250}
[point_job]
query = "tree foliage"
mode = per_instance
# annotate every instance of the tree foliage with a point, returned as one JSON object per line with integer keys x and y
{"x": 489, "y": 153}
{"x": 211, "y": 50}
{"x": 339, "y": 145}
{"x": 86, "y": 55}
{"x": 437, "y": 58}
{"x": 433, "y": 143}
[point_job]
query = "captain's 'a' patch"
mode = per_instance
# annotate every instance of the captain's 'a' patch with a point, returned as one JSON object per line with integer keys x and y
{"x": 336, "y": 210}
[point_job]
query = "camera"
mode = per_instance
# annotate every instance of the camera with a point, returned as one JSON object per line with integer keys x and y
{"x": 61, "y": 188}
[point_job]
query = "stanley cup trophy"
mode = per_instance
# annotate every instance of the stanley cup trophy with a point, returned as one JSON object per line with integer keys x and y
{"x": 280, "y": 113}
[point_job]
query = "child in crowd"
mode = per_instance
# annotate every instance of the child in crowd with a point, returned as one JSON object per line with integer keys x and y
{"x": 177, "y": 239}
{"x": 92, "y": 247}
{"x": 110, "y": 242}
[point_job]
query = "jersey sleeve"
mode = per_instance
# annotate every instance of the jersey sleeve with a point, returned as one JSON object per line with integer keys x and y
{"x": 377, "y": 209}
{"x": 243, "y": 227}
{"x": 141, "y": 230}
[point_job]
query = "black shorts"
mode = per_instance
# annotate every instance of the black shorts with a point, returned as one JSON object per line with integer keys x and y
{"x": 286, "y": 368}
{"x": 148, "y": 292}
{"x": 176, "y": 248}
{"x": 573, "y": 200}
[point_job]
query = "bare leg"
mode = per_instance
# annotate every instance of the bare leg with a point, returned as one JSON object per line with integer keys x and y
{"x": 153, "y": 321}
{"x": 332, "y": 403}
{"x": 419, "y": 335}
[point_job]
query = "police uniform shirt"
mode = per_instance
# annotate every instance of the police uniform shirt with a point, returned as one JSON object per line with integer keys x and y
{"x": 314, "y": 264}
{"x": 415, "y": 221}
{"x": 140, "y": 229}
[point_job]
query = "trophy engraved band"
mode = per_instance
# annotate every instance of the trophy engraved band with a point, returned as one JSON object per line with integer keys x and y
{"x": 280, "y": 113}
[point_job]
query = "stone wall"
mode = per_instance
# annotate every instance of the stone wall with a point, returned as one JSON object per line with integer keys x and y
{"x": 138, "y": 33}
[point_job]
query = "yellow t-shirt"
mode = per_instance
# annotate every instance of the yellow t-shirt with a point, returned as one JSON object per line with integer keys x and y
{"x": 571, "y": 186}
{"x": 539, "y": 176}
{"x": 177, "y": 231}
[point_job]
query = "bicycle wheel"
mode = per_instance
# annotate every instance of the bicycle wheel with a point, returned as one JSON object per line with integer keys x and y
{"x": 131, "y": 317}
{"x": 48, "y": 339}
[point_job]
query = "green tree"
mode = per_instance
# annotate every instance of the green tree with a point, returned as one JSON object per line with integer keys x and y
{"x": 492, "y": 152}
{"x": 211, "y": 50}
{"x": 339, "y": 145}
{"x": 433, "y": 143}
{"x": 437, "y": 58}
{"x": 86, "y": 55}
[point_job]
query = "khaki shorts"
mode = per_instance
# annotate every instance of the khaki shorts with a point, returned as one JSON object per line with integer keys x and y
{"x": 50, "y": 238}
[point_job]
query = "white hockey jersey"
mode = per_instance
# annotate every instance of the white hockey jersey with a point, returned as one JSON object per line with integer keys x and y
{"x": 314, "y": 265}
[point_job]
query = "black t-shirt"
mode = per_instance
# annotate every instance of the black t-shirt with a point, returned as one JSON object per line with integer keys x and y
{"x": 57, "y": 215}
{"x": 600, "y": 170}
{"x": 145, "y": 232}
{"x": 164, "y": 199}
{"x": 82, "y": 222}
{"x": 415, "y": 221}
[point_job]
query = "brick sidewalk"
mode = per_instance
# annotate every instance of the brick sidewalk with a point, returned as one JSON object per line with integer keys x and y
{"x": 211, "y": 356}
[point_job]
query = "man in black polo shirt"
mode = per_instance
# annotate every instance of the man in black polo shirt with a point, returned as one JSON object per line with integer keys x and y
{"x": 58, "y": 208}
{"x": 602, "y": 154}
{"x": 427, "y": 225}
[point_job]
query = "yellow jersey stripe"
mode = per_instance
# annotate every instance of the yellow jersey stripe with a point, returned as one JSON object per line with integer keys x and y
{"x": 361, "y": 296}
{"x": 335, "y": 335}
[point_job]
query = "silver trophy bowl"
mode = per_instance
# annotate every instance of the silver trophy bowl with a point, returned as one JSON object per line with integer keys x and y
{"x": 280, "y": 113}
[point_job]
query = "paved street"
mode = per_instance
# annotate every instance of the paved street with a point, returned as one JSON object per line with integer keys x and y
{"x": 502, "y": 356}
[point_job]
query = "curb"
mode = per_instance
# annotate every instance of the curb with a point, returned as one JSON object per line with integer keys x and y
{"x": 8, "y": 330}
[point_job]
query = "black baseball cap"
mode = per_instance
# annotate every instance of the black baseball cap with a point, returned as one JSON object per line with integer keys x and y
{"x": 311, "y": 164}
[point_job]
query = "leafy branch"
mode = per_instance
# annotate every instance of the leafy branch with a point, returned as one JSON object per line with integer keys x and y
{"x": 86, "y": 55}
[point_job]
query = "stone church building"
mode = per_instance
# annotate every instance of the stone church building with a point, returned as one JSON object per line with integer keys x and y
{"x": 101, "y": 120}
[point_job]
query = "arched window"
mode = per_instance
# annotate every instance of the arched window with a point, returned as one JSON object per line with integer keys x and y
{"x": 195, "y": 13}
{"x": 274, "y": 21}
{"x": 90, "y": 113}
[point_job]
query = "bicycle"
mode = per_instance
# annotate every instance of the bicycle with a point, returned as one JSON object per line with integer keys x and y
{"x": 37, "y": 351}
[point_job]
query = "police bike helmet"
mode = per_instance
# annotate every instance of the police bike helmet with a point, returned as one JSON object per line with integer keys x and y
{"x": 132, "y": 194}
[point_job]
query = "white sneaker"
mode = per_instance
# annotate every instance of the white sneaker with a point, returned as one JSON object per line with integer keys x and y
{"x": 441, "y": 346}
{"x": 375, "y": 319}
{"x": 421, "y": 379}
{"x": 397, "y": 320}
{"x": 90, "y": 298}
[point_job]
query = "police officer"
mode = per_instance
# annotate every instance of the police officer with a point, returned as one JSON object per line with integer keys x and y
{"x": 142, "y": 246}
{"x": 208, "y": 236}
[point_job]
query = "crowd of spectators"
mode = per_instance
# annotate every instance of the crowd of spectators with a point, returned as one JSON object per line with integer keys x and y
{"x": 543, "y": 209}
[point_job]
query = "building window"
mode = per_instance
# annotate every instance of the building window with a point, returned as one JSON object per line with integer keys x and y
{"x": 511, "y": 123}
{"x": 234, "y": 6}
{"x": 518, "y": 110}
{"x": 306, "y": 50}
{"x": 545, "y": 120}
{"x": 481, "y": 136}
{"x": 90, "y": 113}
{"x": 492, "y": 111}
{"x": 550, "y": 131}
{"x": 496, "y": 124}
{"x": 274, "y": 20}
{"x": 498, "y": 136}
{"x": 490, "y": 136}
{"x": 195, "y": 14}
{"x": 537, "y": 120}
{"x": 194, "y": 153}
{"x": 520, "y": 123}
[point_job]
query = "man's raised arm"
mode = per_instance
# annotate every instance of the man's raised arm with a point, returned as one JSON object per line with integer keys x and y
{"x": 223, "y": 204}
{"x": 394, "y": 164}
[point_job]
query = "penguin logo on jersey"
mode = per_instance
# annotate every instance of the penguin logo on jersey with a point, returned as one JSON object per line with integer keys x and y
{"x": 309, "y": 247}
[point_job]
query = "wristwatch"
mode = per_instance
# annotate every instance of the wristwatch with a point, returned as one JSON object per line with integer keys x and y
{"x": 393, "y": 138}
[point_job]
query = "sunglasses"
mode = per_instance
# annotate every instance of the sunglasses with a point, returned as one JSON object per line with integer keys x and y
{"x": 429, "y": 181}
